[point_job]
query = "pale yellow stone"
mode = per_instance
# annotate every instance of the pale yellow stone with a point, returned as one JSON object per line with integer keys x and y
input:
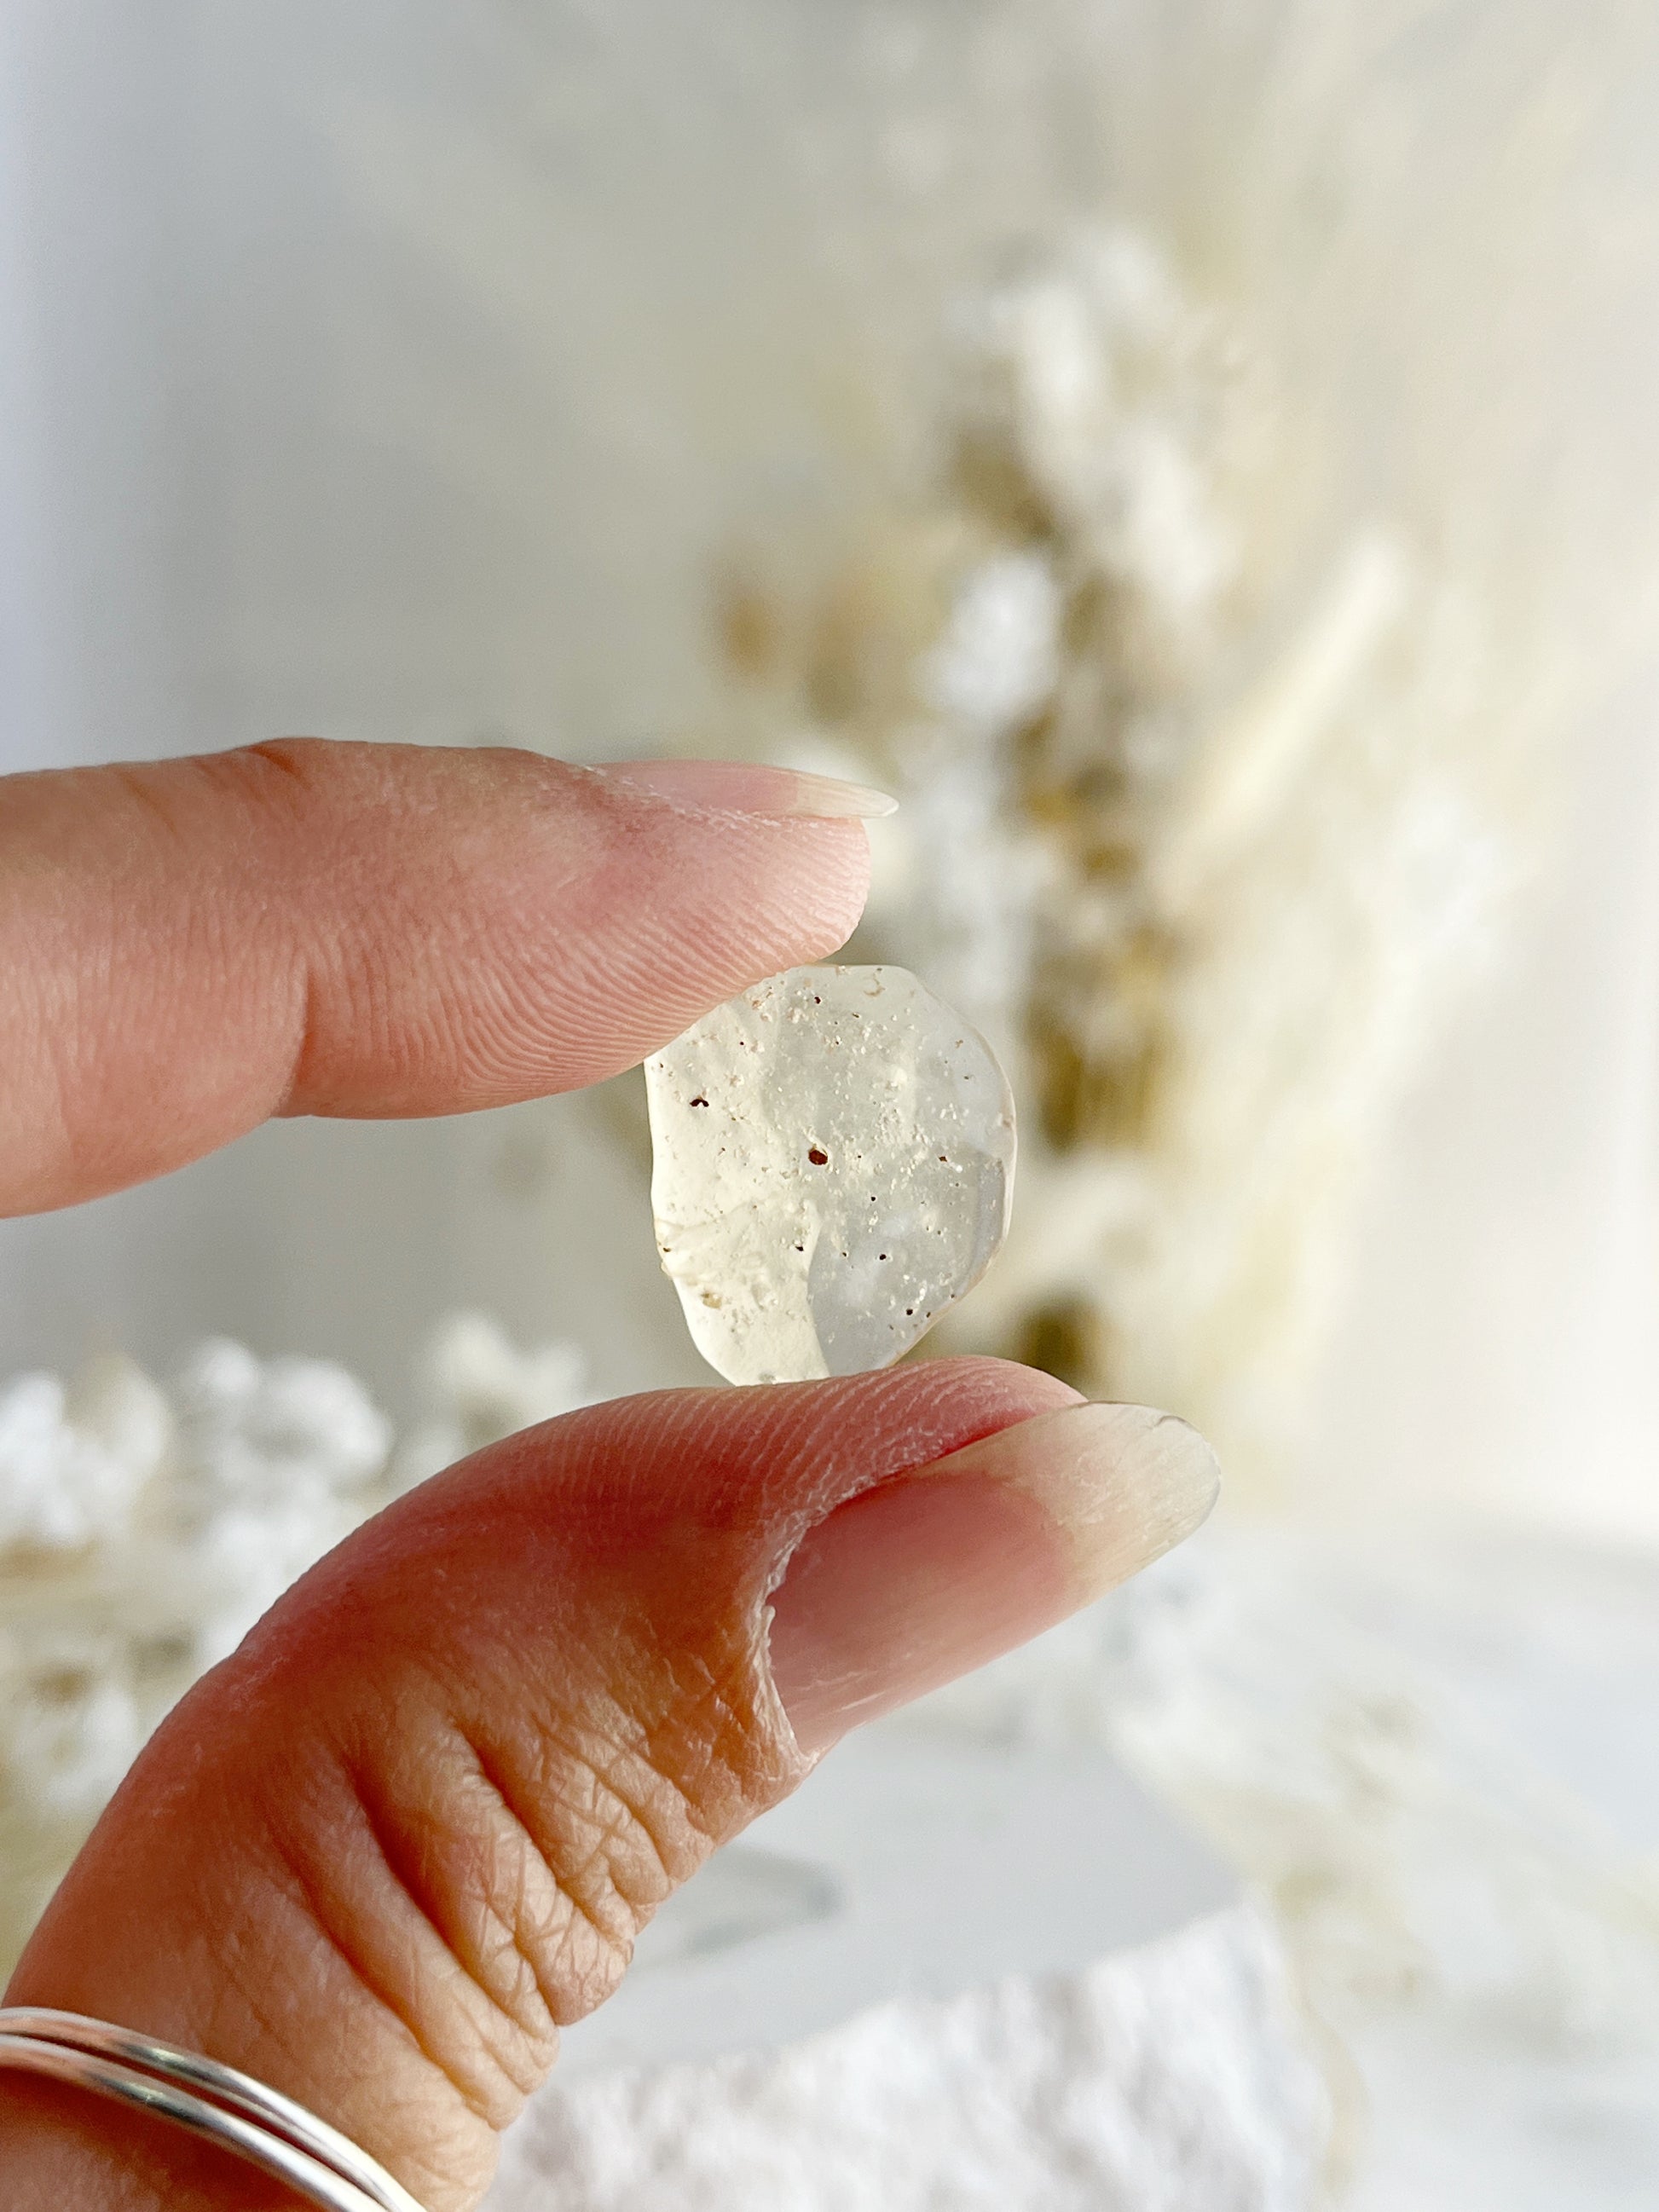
{"x": 834, "y": 1167}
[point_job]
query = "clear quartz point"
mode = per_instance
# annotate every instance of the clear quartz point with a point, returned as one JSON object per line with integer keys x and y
{"x": 833, "y": 1166}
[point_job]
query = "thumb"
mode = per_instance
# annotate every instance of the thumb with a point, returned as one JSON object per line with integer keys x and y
{"x": 413, "y": 1826}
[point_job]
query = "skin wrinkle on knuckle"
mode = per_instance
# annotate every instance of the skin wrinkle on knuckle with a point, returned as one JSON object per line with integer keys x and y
{"x": 260, "y": 801}
{"x": 302, "y": 1911}
{"x": 510, "y": 1902}
{"x": 245, "y": 1993}
{"x": 576, "y": 1940}
{"x": 167, "y": 804}
{"x": 300, "y": 801}
{"x": 288, "y": 759}
{"x": 536, "y": 1891}
{"x": 359, "y": 1015}
{"x": 597, "y": 1870}
{"x": 480, "y": 2051}
{"x": 289, "y": 1992}
{"x": 444, "y": 2033}
{"x": 344, "y": 996}
{"x": 634, "y": 1839}
{"x": 723, "y": 1757}
{"x": 301, "y": 1026}
{"x": 616, "y": 1833}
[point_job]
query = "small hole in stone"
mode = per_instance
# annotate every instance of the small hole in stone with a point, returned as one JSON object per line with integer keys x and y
{"x": 818, "y": 1156}
{"x": 699, "y": 1102}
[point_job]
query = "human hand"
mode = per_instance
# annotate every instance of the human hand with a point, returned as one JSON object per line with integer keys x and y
{"x": 413, "y": 1826}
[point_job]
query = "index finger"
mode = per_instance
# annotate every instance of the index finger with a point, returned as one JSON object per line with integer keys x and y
{"x": 187, "y": 947}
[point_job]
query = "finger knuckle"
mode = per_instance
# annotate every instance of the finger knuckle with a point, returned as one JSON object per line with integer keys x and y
{"x": 520, "y": 1870}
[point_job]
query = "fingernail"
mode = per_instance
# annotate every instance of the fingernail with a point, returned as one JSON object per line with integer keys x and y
{"x": 923, "y": 1579}
{"x": 743, "y": 787}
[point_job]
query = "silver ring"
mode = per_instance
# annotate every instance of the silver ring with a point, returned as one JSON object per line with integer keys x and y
{"x": 215, "y": 2101}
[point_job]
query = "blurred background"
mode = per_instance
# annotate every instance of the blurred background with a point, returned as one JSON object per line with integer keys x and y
{"x": 1202, "y": 456}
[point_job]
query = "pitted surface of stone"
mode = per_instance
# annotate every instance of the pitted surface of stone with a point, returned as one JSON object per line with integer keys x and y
{"x": 833, "y": 1166}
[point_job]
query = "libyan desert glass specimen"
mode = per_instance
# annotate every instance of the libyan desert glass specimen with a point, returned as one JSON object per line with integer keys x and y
{"x": 834, "y": 1165}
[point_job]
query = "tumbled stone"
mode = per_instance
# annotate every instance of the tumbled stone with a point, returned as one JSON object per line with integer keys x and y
{"x": 833, "y": 1166}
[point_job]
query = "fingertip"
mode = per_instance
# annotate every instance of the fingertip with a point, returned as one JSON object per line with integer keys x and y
{"x": 909, "y": 1585}
{"x": 797, "y": 880}
{"x": 307, "y": 926}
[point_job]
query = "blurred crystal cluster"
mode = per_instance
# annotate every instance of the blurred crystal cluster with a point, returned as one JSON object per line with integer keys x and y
{"x": 1204, "y": 848}
{"x": 145, "y": 1528}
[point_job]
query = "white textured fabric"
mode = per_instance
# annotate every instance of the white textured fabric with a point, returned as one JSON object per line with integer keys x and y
{"x": 1167, "y": 2080}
